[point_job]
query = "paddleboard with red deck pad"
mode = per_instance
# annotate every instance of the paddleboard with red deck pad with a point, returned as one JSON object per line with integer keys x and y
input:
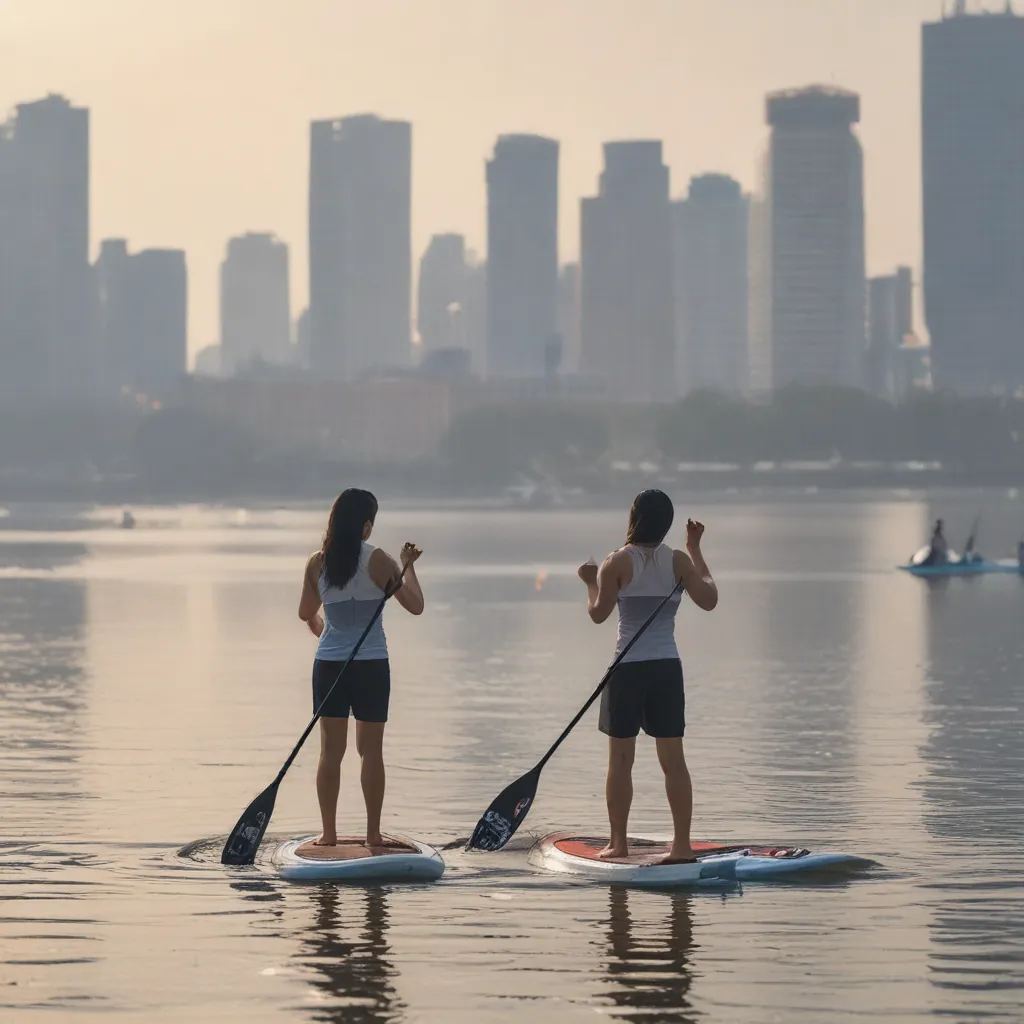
{"x": 399, "y": 860}
{"x": 575, "y": 854}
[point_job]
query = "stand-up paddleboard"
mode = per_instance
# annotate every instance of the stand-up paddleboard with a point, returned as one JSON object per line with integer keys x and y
{"x": 574, "y": 854}
{"x": 399, "y": 860}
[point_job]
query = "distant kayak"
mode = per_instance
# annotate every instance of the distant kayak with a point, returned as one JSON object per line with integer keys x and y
{"x": 399, "y": 860}
{"x": 569, "y": 853}
{"x": 980, "y": 567}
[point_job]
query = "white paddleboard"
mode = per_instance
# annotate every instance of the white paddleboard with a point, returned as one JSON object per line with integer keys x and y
{"x": 575, "y": 854}
{"x": 400, "y": 860}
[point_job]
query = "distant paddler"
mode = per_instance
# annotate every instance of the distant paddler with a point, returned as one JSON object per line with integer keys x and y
{"x": 938, "y": 548}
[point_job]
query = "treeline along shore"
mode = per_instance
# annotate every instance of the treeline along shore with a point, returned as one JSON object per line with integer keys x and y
{"x": 839, "y": 436}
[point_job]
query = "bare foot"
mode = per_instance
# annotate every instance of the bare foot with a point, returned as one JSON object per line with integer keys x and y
{"x": 679, "y": 855}
{"x": 327, "y": 839}
{"x": 374, "y": 842}
{"x": 613, "y": 851}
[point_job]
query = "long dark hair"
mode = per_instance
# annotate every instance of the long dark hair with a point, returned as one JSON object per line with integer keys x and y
{"x": 650, "y": 518}
{"x": 343, "y": 541}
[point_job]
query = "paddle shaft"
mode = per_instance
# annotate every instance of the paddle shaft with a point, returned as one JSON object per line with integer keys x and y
{"x": 391, "y": 590}
{"x": 604, "y": 682}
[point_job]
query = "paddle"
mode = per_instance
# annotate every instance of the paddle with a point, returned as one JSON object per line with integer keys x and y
{"x": 506, "y": 813}
{"x": 972, "y": 539}
{"x": 248, "y": 832}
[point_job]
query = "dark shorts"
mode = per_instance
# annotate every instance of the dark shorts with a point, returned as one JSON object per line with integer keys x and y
{"x": 647, "y": 695}
{"x": 364, "y": 690}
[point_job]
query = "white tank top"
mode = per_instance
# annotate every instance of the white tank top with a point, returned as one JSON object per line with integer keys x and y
{"x": 347, "y": 610}
{"x": 653, "y": 580}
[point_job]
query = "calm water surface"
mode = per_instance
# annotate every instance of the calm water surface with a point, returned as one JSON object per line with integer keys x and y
{"x": 152, "y": 682}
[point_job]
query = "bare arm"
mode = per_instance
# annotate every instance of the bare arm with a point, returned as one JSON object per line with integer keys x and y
{"x": 690, "y": 567}
{"x": 604, "y": 584}
{"x": 309, "y": 602}
{"x": 384, "y": 571}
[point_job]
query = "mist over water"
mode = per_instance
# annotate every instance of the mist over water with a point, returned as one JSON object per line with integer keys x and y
{"x": 153, "y": 680}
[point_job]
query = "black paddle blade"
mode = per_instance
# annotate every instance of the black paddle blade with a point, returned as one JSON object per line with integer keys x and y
{"x": 506, "y": 814}
{"x": 247, "y": 835}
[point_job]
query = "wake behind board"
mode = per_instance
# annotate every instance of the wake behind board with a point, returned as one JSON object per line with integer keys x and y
{"x": 399, "y": 860}
{"x": 574, "y": 854}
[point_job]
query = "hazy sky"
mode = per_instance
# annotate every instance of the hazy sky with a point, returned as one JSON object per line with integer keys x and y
{"x": 200, "y": 108}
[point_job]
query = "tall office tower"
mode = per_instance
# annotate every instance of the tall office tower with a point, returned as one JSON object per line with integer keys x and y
{"x": 627, "y": 307}
{"x": 47, "y": 310}
{"x": 890, "y": 329}
{"x": 441, "y": 302}
{"x": 255, "y": 309}
{"x": 712, "y": 284}
{"x": 569, "y": 315}
{"x": 159, "y": 313}
{"x": 973, "y": 181}
{"x": 815, "y": 195}
{"x": 360, "y": 248}
{"x": 116, "y": 331}
{"x": 143, "y": 318}
{"x": 522, "y": 256}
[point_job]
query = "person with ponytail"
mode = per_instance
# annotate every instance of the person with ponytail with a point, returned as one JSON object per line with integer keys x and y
{"x": 646, "y": 690}
{"x": 347, "y": 579}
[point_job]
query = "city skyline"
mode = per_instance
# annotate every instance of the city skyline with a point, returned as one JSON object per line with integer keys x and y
{"x": 235, "y": 159}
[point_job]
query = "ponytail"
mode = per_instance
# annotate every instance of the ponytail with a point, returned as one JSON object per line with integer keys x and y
{"x": 343, "y": 541}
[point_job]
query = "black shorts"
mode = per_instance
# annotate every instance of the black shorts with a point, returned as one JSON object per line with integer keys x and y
{"x": 644, "y": 694}
{"x": 364, "y": 689}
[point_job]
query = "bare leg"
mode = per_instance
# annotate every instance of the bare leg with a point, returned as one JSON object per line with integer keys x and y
{"x": 370, "y": 744}
{"x": 333, "y": 740}
{"x": 680, "y": 796}
{"x": 619, "y": 794}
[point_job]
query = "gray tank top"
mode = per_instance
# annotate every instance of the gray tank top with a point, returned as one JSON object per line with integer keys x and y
{"x": 653, "y": 580}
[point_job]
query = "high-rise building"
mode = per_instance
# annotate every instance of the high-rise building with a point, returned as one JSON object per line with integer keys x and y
{"x": 815, "y": 197}
{"x": 47, "y": 311}
{"x": 255, "y": 309}
{"x": 890, "y": 329}
{"x": 569, "y": 315}
{"x": 143, "y": 317}
{"x": 360, "y": 248}
{"x": 441, "y": 301}
{"x": 973, "y": 182}
{"x": 522, "y": 256}
{"x": 712, "y": 285}
{"x": 627, "y": 307}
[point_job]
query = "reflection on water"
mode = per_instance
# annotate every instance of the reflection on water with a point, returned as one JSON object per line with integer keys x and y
{"x": 975, "y": 791}
{"x": 648, "y": 960}
{"x": 346, "y": 945}
{"x": 152, "y": 681}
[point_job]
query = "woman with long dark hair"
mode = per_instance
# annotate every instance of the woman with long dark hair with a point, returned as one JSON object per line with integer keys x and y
{"x": 347, "y": 578}
{"x": 646, "y": 690}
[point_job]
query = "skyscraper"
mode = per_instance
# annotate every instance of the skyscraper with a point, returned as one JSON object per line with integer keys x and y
{"x": 47, "y": 330}
{"x": 569, "y": 315}
{"x": 255, "y": 310}
{"x": 890, "y": 327}
{"x": 441, "y": 303}
{"x": 360, "y": 249}
{"x": 627, "y": 308}
{"x": 973, "y": 181}
{"x": 522, "y": 256}
{"x": 815, "y": 196}
{"x": 712, "y": 283}
{"x": 143, "y": 317}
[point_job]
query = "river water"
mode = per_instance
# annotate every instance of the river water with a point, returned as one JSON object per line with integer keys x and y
{"x": 152, "y": 681}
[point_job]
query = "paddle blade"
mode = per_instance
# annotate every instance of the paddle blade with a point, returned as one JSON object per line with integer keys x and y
{"x": 248, "y": 833}
{"x": 506, "y": 814}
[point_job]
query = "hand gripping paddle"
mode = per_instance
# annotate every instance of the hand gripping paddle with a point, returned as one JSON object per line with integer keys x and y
{"x": 506, "y": 813}
{"x": 248, "y": 833}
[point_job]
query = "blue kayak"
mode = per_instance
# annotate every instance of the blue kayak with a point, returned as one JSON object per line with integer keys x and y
{"x": 977, "y": 568}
